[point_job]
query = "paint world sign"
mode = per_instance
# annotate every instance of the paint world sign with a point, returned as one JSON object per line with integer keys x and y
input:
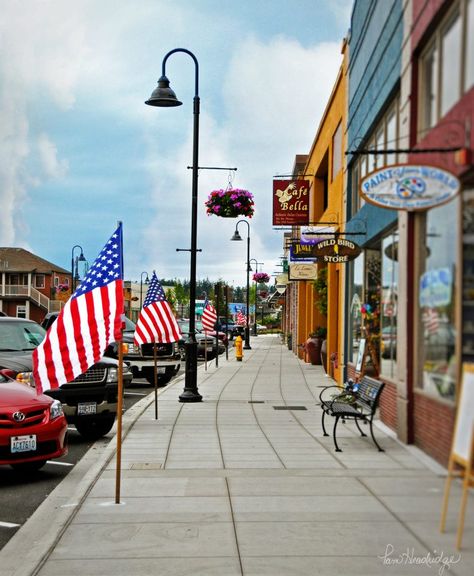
{"x": 409, "y": 187}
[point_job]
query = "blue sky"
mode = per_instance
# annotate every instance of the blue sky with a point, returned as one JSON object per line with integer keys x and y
{"x": 79, "y": 149}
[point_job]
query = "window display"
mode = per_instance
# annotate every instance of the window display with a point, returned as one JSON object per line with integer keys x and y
{"x": 437, "y": 301}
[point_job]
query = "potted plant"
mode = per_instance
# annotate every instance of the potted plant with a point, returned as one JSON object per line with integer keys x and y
{"x": 321, "y": 289}
{"x": 230, "y": 203}
{"x": 314, "y": 344}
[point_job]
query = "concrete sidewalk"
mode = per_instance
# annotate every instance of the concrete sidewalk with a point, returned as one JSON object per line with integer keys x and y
{"x": 245, "y": 483}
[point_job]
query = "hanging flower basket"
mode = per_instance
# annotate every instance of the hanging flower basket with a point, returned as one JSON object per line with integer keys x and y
{"x": 230, "y": 203}
{"x": 261, "y": 277}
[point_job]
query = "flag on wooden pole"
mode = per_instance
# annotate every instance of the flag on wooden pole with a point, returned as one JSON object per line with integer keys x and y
{"x": 156, "y": 322}
{"x": 241, "y": 318}
{"x": 209, "y": 317}
{"x": 90, "y": 320}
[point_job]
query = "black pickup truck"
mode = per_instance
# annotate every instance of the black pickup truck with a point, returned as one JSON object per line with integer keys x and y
{"x": 230, "y": 328}
{"x": 140, "y": 359}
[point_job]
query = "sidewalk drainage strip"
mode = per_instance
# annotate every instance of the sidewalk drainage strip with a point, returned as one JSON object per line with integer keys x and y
{"x": 289, "y": 408}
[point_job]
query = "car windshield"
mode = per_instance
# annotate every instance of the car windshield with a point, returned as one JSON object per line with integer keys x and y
{"x": 129, "y": 325}
{"x": 18, "y": 336}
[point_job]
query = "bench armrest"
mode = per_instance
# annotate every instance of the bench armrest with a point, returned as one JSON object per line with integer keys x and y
{"x": 323, "y": 391}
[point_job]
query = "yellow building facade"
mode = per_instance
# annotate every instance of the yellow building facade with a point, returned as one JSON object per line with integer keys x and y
{"x": 325, "y": 169}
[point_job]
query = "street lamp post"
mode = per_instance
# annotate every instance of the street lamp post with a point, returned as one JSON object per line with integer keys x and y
{"x": 254, "y": 331}
{"x": 238, "y": 237}
{"x": 147, "y": 281}
{"x": 79, "y": 259}
{"x": 163, "y": 96}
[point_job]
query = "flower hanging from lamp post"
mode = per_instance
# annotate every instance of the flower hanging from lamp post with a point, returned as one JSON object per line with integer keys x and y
{"x": 261, "y": 277}
{"x": 230, "y": 203}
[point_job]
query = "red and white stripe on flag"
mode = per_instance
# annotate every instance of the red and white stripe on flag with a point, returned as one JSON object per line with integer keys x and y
{"x": 209, "y": 318}
{"x": 431, "y": 320}
{"x": 90, "y": 320}
{"x": 156, "y": 322}
{"x": 241, "y": 318}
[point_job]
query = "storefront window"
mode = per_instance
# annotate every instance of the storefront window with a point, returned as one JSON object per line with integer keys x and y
{"x": 469, "y": 79}
{"x": 451, "y": 65}
{"x": 437, "y": 301}
{"x": 371, "y": 309}
{"x": 430, "y": 87}
{"x": 356, "y": 305}
{"x": 365, "y": 310}
{"x": 389, "y": 301}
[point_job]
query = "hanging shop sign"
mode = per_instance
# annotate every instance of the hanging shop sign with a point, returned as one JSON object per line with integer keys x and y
{"x": 409, "y": 187}
{"x": 303, "y": 251}
{"x": 337, "y": 250}
{"x": 303, "y": 271}
{"x": 290, "y": 202}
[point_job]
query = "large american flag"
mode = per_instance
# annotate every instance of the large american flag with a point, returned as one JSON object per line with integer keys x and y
{"x": 88, "y": 323}
{"x": 156, "y": 322}
{"x": 209, "y": 317}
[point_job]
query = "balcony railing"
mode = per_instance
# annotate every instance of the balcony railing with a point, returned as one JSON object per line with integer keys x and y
{"x": 33, "y": 294}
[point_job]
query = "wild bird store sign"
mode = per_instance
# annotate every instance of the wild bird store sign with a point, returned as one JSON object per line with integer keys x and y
{"x": 409, "y": 187}
{"x": 336, "y": 250}
{"x": 290, "y": 202}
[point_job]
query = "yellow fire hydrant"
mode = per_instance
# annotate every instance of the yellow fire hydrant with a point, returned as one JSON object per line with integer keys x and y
{"x": 238, "y": 349}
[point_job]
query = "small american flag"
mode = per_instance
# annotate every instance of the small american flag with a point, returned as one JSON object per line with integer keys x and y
{"x": 241, "y": 318}
{"x": 88, "y": 323}
{"x": 209, "y": 317}
{"x": 156, "y": 322}
{"x": 431, "y": 320}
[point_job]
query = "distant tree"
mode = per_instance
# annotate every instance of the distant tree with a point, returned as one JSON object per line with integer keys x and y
{"x": 181, "y": 296}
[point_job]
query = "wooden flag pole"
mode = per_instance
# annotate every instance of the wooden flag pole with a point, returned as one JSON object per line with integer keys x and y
{"x": 468, "y": 483}
{"x": 461, "y": 459}
{"x": 155, "y": 361}
{"x": 119, "y": 424}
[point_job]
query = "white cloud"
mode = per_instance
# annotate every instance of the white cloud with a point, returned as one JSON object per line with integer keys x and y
{"x": 261, "y": 105}
{"x": 274, "y": 96}
{"x": 48, "y": 153}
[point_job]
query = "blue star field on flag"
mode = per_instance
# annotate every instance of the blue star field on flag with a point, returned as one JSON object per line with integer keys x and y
{"x": 106, "y": 268}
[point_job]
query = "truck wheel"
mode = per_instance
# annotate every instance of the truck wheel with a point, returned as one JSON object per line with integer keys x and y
{"x": 94, "y": 428}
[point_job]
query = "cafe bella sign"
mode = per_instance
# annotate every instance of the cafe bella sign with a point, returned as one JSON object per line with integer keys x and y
{"x": 290, "y": 202}
{"x": 409, "y": 187}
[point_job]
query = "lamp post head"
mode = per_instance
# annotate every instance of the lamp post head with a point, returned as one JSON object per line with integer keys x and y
{"x": 236, "y": 236}
{"x": 82, "y": 257}
{"x": 162, "y": 95}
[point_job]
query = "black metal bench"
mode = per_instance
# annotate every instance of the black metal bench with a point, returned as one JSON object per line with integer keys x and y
{"x": 347, "y": 405}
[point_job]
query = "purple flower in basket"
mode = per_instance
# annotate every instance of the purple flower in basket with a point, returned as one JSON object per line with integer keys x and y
{"x": 261, "y": 277}
{"x": 230, "y": 203}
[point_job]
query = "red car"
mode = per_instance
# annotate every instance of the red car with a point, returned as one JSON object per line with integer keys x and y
{"x": 33, "y": 428}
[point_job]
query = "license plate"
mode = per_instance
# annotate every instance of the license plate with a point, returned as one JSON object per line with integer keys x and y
{"x": 85, "y": 408}
{"x": 23, "y": 443}
{"x": 161, "y": 370}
